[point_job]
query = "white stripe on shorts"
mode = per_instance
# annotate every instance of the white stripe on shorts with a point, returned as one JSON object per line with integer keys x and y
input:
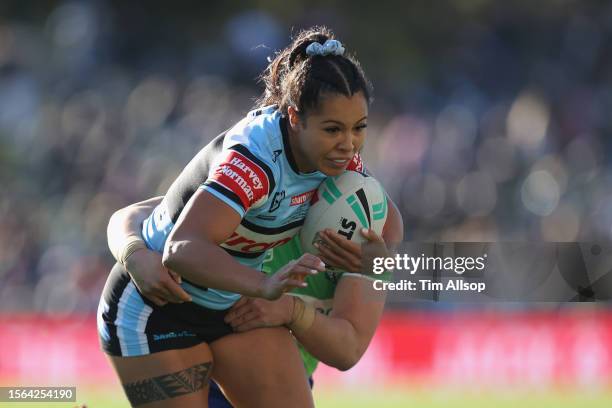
{"x": 131, "y": 321}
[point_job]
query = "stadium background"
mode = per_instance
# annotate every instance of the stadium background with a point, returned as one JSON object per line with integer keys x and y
{"x": 491, "y": 122}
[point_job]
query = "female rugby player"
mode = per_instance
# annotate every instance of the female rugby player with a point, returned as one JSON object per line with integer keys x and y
{"x": 228, "y": 206}
{"x": 336, "y": 348}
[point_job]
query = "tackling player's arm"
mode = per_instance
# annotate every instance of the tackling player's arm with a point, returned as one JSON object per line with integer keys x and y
{"x": 154, "y": 281}
{"x": 341, "y": 338}
{"x": 338, "y": 339}
{"x": 126, "y": 222}
{"x": 252, "y": 313}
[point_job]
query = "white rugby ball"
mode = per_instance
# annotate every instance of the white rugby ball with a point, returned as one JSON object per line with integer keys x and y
{"x": 345, "y": 203}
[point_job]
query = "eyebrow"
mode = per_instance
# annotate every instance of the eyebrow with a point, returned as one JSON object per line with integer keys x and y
{"x": 340, "y": 123}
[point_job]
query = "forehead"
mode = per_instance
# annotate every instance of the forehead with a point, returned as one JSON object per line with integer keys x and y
{"x": 341, "y": 108}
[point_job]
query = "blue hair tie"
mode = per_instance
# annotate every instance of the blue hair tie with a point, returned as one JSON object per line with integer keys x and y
{"x": 331, "y": 47}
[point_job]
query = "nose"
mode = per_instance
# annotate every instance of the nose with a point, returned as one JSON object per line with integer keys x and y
{"x": 347, "y": 142}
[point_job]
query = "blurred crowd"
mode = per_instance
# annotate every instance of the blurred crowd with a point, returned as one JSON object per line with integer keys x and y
{"x": 491, "y": 122}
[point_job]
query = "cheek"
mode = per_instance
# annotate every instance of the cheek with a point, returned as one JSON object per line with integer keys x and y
{"x": 312, "y": 147}
{"x": 359, "y": 140}
{"x": 326, "y": 147}
{"x": 317, "y": 145}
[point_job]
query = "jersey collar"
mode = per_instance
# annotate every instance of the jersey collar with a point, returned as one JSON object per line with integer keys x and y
{"x": 283, "y": 123}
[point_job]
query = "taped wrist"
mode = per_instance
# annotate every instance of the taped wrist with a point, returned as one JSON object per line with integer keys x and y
{"x": 303, "y": 316}
{"x": 132, "y": 244}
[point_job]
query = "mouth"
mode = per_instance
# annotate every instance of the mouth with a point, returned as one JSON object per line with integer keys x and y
{"x": 338, "y": 163}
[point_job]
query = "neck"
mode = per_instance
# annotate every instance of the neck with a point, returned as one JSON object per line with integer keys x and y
{"x": 298, "y": 154}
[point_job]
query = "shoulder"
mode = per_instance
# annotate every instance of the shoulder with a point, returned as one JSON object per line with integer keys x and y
{"x": 245, "y": 170}
{"x": 257, "y": 136}
{"x": 254, "y": 140}
{"x": 255, "y": 130}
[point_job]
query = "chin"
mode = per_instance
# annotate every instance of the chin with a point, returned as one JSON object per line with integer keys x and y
{"x": 331, "y": 172}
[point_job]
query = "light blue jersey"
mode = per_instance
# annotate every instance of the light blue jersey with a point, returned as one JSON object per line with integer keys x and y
{"x": 250, "y": 168}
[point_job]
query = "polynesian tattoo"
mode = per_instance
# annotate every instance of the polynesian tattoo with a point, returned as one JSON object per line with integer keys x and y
{"x": 166, "y": 386}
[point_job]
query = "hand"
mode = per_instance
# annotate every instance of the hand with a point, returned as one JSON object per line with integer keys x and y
{"x": 156, "y": 283}
{"x": 291, "y": 276}
{"x": 253, "y": 313}
{"x": 347, "y": 255}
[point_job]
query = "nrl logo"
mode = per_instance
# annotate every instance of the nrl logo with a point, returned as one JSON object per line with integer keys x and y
{"x": 276, "y": 153}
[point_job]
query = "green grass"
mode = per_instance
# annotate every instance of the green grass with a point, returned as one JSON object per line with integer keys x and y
{"x": 112, "y": 397}
{"x": 440, "y": 398}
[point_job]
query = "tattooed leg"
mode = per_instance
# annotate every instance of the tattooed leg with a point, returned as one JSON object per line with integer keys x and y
{"x": 168, "y": 385}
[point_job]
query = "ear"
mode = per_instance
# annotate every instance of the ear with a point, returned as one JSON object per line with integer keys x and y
{"x": 294, "y": 117}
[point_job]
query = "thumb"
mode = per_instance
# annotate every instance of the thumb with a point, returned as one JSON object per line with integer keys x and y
{"x": 174, "y": 286}
{"x": 175, "y": 276}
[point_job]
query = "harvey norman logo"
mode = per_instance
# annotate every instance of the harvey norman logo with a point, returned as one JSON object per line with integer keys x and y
{"x": 301, "y": 198}
{"x": 228, "y": 172}
{"x": 256, "y": 182}
{"x": 243, "y": 177}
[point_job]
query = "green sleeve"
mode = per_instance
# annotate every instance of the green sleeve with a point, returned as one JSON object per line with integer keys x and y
{"x": 321, "y": 286}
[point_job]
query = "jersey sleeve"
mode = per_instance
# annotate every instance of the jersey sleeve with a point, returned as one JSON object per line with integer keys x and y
{"x": 240, "y": 179}
{"x": 357, "y": 164}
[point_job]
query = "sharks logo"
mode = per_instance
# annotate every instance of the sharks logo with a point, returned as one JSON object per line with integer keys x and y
{"x": 276, "y": 200}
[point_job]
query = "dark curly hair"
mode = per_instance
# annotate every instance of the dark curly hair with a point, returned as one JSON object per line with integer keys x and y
{"x": 297, "y": 79}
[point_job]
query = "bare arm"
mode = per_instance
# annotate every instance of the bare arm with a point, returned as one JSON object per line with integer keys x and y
{"x": 145, "y": 267}
{"x": 192, "y": 250}
{"x": 126, "y": 222}
{"x": 339, "y": 339}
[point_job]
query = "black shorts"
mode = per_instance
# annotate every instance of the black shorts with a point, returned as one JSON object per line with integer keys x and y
{"x": 131, "y": 325}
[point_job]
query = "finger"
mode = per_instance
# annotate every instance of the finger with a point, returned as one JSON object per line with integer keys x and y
{"x": 250, "y": 325}
{"x": 176, "y": 290}
{"x": 327, "y": 261}
{"x": 301, "y": 271}
{"x": 244, "y": 318}
{"x": 344, "y": 258}
{"x": 153, "y": 292}
{"x": 333, "y": 238}
{"x": 311, "y": 261}
{"x": 371, "y": 235}
{"x": 238, "y": 313}
{"x": 241, "y": 302}
{"x": 289, "y": 283}
{"x": 241, "y": 307}
{"x": 295, "y": 270}
{"x": 157, "y": 300}
{"x": 175, "y": 276}
{"x": 332, "y": 258}
{"x": 162, "y": 291}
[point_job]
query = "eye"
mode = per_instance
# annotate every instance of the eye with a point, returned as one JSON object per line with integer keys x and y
{"x": 332, "y": 129}
{"x": 361, "y": 127}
